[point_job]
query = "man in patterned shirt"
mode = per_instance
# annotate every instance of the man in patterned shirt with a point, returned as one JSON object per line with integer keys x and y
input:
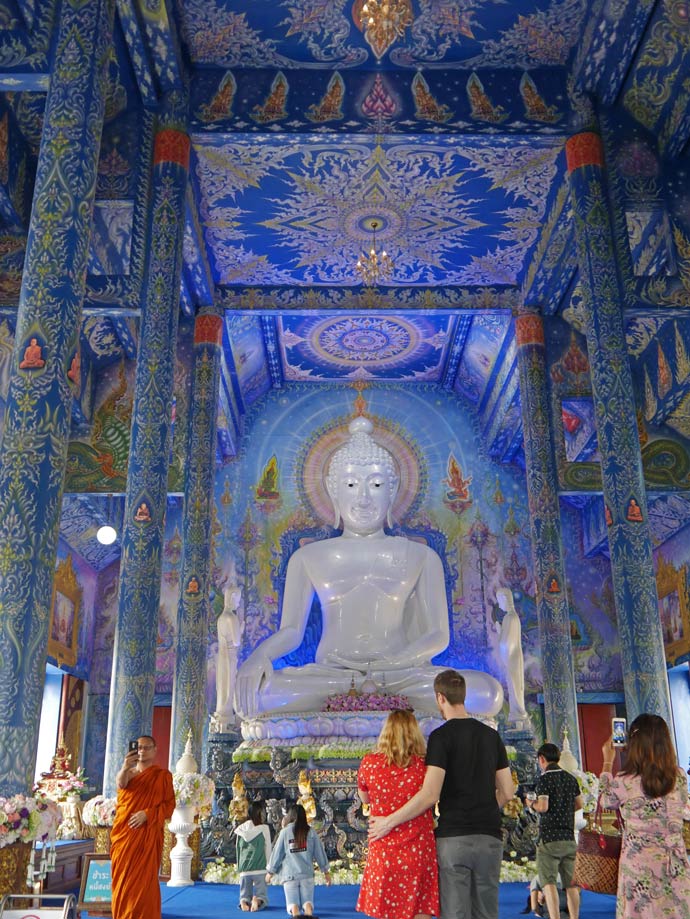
{"x": 558, "y": 797}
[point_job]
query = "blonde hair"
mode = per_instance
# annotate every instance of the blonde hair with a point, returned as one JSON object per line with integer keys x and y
{"x": 400, "y": 739}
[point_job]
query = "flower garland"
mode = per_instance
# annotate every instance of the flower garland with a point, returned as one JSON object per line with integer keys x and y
{"x": 25, "y": 818}
{"x": 99, "y": 811}
{"x": 366, "y": 702}
{"x": 192, "y": 788}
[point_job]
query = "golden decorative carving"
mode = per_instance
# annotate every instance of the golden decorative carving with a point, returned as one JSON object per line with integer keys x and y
{"x": 672, "y": 591}
{"x": 102, "y": 840}
{"x": 63, "y": 637}
{"x": 14, "y": 861}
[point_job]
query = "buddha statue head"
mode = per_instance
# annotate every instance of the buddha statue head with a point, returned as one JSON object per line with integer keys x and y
{"x": 360, "y": 473}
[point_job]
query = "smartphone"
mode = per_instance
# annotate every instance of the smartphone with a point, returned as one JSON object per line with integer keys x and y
{"x": 619, "y": 732}
{"x": 133, "y": 746}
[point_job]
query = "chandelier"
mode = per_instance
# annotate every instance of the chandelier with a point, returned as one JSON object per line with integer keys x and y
{"x": 384, "y": 21}
{"x": 374, "y": 267}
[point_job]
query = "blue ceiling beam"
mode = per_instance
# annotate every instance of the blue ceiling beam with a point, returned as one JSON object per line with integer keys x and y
{"x": 609, "y": 46}
{"x": 334, "y": 300}
{"x": 553, "y": 259}
{"x": 272, "y": 349}
{"x": 450, "y": 371}
{"x": 138, "y": 51}
{"x": 154, "y": 48}
{"x": 197, "y": 268}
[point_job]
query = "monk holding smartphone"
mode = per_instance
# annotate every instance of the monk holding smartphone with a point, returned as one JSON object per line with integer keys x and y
{"x": 145, "y": 800}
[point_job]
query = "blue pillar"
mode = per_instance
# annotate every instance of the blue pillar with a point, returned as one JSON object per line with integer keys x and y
{"x": 639, "y": 625}
{"x": 134, "y": 663}
{"x": 553, "y": 615}
{"x": 189, "y": 690}
{"x": 39, "y": 403}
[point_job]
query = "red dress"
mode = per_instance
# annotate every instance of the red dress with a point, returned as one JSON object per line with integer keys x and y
{"x": 401, "y": 876}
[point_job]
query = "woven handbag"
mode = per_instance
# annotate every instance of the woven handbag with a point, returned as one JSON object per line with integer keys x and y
{"x": 598, "y": 854}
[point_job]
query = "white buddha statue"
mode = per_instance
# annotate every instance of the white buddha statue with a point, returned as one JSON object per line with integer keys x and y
{"x": 383, "y": 603}
{"x": 229, "y": 635}
{"x": 510, "y": 654}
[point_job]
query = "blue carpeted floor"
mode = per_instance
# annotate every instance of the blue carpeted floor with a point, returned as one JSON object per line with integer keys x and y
{"x": 205, "y": 901}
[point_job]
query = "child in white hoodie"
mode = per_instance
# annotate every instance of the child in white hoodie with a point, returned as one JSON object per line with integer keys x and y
{"x": 253, "y": 853}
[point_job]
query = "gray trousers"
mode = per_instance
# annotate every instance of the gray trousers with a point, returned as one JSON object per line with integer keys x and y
{"x": 469, "y": 869}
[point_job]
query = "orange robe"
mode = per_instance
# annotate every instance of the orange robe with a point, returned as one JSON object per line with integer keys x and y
{"x": 136, "y": 853}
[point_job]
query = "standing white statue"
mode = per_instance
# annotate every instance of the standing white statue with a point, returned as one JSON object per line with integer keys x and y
{"x": 510, "y": 654}
{"x": 383, "y": 602}
{"x": 229, "y": 634}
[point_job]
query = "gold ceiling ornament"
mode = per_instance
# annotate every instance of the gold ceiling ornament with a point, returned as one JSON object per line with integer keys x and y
{"x": 384, "y": 21}
{"x": 375, "y": 267}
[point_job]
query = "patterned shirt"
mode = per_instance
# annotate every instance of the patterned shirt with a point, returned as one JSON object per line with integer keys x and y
{"x": 558, "y": 823}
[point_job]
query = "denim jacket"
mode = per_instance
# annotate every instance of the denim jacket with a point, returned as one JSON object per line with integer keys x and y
{"x": 293, "y": 863}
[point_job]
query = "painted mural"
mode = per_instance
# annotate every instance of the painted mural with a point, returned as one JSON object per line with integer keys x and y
{"x": 316, "y": 207}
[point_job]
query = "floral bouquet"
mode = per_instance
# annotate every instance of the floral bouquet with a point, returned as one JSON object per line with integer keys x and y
{"x": 343, "y": 871}
{"x": 192, "y": 788}
{"x": 99, "y": 811}
{"x": 221, "y": 872}
{"x": 589, "y": 786}
{"x": 74, "y": 783}
{"x": 24, "y": 819}
{"x": 366, "y": 702}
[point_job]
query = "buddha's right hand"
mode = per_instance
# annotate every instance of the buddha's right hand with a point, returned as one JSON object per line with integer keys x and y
{"x": 250, "y": 676}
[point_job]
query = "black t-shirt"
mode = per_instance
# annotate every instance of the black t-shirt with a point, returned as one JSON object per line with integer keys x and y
{"x": 558, "y": 823}
{"x": 471, "y": 753}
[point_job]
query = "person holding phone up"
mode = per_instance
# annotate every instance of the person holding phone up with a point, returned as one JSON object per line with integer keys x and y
{"x": 145, "y": 799}
{"x": 651, "y": 792}
{"x": 558, "y": 797}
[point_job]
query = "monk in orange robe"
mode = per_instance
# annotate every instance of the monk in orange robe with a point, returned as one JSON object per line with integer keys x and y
{"x": 145, "y": 799}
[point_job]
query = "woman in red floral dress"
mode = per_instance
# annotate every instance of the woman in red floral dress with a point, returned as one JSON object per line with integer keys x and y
{"x": 401, "y": 875}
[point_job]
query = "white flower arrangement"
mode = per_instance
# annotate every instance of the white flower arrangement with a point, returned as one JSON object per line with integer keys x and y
{"x": 342, "y": 749}
{"x": 347, "y": 871}
{"x": 221, "y": 872}
{"x": 25, "y": 818}
{"x": 521, "y": 869}
{"x": 342, "y": 872}
{"x": 589, "y": 786}
{"x": 99, "y": 811}
{"x": 192, "y": 788}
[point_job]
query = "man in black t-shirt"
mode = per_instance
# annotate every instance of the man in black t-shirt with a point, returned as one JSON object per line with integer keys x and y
{"x": 558, "y": 797}
{"x": 468, "y": 774}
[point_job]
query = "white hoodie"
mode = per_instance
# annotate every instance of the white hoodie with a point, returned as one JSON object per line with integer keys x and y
{"x": 248, "y": 831}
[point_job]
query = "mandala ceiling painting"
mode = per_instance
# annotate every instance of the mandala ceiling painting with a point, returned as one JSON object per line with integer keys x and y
{"x": 282, "y": 211}
{"x": 364, "y": 348}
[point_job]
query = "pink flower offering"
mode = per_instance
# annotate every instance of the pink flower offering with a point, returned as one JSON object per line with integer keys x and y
{"x": 366, "y": 702}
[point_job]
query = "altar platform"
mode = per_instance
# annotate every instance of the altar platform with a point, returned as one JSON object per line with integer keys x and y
{"x": 337, "y": 902}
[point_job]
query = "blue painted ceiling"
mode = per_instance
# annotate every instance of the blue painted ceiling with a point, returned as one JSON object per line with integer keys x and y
{"x": 306, "y": 129}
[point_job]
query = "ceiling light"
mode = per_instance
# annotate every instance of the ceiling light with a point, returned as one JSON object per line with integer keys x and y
{"x": 384, "y": 21}
{"x": 106, "y": 535}
{"x": 376, "y": 266}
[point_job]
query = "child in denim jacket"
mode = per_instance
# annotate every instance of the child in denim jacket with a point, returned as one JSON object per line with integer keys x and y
{"x": 294, "y": 854}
